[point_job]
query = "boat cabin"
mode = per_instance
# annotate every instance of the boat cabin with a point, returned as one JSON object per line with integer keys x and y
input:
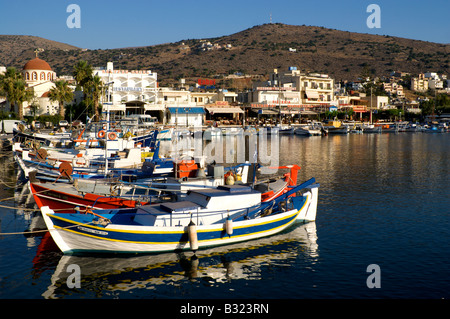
{"x": 202, "y": 206}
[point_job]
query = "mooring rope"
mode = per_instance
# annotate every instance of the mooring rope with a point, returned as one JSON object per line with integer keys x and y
{"x": 40, "y": 231}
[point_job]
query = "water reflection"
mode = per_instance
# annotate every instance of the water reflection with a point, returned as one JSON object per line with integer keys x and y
{"x": 216, "y": 265}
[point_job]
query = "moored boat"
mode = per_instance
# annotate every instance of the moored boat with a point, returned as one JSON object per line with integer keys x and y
{"x": 181, "y": 225}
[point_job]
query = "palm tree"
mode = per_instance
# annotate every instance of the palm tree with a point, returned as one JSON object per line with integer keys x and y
{"x": 22, "y": 94}
{"x": 7, "y": 81}
{"x": 61, "y": 93}
{"x": 94, "y": 89}
{"x": 14, "y": 87}
{"x": 82, "y": 72}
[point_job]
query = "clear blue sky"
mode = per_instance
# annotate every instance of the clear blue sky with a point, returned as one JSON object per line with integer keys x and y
{"x": 116, "y": 24}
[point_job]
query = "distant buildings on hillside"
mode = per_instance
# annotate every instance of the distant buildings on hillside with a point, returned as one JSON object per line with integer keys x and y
{"x": 284, "y": 92}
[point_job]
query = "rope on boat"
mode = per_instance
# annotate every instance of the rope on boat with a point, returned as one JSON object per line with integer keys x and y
{"x": 38, "y": 231}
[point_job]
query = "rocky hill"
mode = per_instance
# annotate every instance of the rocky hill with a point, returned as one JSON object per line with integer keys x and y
{"x": 255, "y": 51}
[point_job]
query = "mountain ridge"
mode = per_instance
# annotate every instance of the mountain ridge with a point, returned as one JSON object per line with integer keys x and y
{"x": 257, "y": 50}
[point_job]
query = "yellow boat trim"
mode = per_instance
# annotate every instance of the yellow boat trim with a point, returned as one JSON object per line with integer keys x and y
{"x": 164, "y": 232}
{"x": 177, "y": 242}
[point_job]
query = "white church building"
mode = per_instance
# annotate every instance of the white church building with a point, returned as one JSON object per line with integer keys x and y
{"x": 39, "y": 75}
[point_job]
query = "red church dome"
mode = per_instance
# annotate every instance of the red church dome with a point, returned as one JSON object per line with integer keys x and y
{"x": 37, "y": 64}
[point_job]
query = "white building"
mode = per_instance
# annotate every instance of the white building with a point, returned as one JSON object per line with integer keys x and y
{"x": 377, "y": 102}
{"x": 420, "y": 83}
{"x": 292, "y": 90}
{"x": 129, "y": 91}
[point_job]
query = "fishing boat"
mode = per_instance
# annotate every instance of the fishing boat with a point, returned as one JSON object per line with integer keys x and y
{"x": 286, "y": 130}
{"x": 108, "y": 194}
{"x": 336, "y": 127}
{"x": 370, "y": 128}
{"x": 115, "y": 193}
{"x": 204, "y": 219}
{"x": 309, "y": 130}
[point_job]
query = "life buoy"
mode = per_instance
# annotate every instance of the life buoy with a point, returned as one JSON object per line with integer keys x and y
{"x": 101, "y": 134}
{"x": 112, "y": 135}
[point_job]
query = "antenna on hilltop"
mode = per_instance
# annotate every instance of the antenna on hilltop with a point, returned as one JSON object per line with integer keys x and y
{"x": 270, "y": 20}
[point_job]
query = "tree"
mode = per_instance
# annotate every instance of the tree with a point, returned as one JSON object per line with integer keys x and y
{"x": 7, "y": 81}
{"x": 14, "y": 87}
{"x": 61, "y": 93}
{"x": 82, "y": 72}
{"x": 94, "y": 89}
{"x": 22, "y": 94}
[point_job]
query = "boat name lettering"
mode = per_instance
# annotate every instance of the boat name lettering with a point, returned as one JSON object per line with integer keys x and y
{"x": 93, "y": 231}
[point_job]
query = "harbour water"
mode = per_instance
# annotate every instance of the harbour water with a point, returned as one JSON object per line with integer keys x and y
{"x": 384, "y": 200}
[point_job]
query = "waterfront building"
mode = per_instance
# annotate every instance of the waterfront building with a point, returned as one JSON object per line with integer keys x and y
{"x": 376, "y": 102}
{"x": 292, "y": 92}
{"x": 129, "y": 91}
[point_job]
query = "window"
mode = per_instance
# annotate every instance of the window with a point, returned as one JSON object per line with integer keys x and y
{"x": 49, "y": 76}
{"x": 34, "y": 76}
{"x": 42, "y": 76}
{"x": 27, "y": 76}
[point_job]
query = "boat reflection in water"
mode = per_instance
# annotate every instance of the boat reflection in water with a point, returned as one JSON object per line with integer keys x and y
{"x": 217, "y": 265}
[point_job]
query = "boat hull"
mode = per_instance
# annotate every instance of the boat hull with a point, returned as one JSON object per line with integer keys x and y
{"x": 80, "y": 236}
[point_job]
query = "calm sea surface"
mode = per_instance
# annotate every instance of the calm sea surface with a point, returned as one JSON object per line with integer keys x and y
{"x": 384, "y": 200}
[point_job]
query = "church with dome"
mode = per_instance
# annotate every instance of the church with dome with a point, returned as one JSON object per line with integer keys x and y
{"x": 38, "y": 75}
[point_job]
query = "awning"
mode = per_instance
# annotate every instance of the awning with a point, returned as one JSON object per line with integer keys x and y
{"x": 312, "y": 94}
{"x": 134, "y": 103}
{"x": 186, "y": 110}
{"x": 224, "y": 110}
{"x": 155, "y": 107}
{"x": 265, "y": 111}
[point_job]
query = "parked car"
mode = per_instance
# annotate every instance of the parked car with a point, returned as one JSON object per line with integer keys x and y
{"x": 63, "y": 123}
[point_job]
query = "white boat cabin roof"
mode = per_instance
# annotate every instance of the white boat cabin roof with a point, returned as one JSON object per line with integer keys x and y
{"x": 221, "y": 198}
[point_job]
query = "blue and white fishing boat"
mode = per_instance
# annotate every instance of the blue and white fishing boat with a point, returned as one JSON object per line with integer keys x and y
{"x": 204, "y": 218}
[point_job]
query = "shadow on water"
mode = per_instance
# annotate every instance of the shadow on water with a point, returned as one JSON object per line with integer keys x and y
{"x": 174, "y": 275}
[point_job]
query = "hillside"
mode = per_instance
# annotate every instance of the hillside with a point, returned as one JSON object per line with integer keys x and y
{"x": 256, "y": 51}
{"x": 16, "y": 50}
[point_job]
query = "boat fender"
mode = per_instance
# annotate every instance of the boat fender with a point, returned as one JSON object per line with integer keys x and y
{"x": 192, "y": 235}
{"x": 101, "y": 134}
{"x": 85, "y": 161}
{"x": 229, "y": 178}
{"x": 229, "y": 226}
{"x": 112, "y": 136}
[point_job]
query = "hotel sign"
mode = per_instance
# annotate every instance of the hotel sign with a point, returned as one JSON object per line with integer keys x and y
{"x": 127, "y": 89}
{"x": 206, "y": 84}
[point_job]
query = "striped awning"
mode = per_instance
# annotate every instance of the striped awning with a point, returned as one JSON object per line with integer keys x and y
{"x": 214, "y": 110}
{"x": 186, "y": 110}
